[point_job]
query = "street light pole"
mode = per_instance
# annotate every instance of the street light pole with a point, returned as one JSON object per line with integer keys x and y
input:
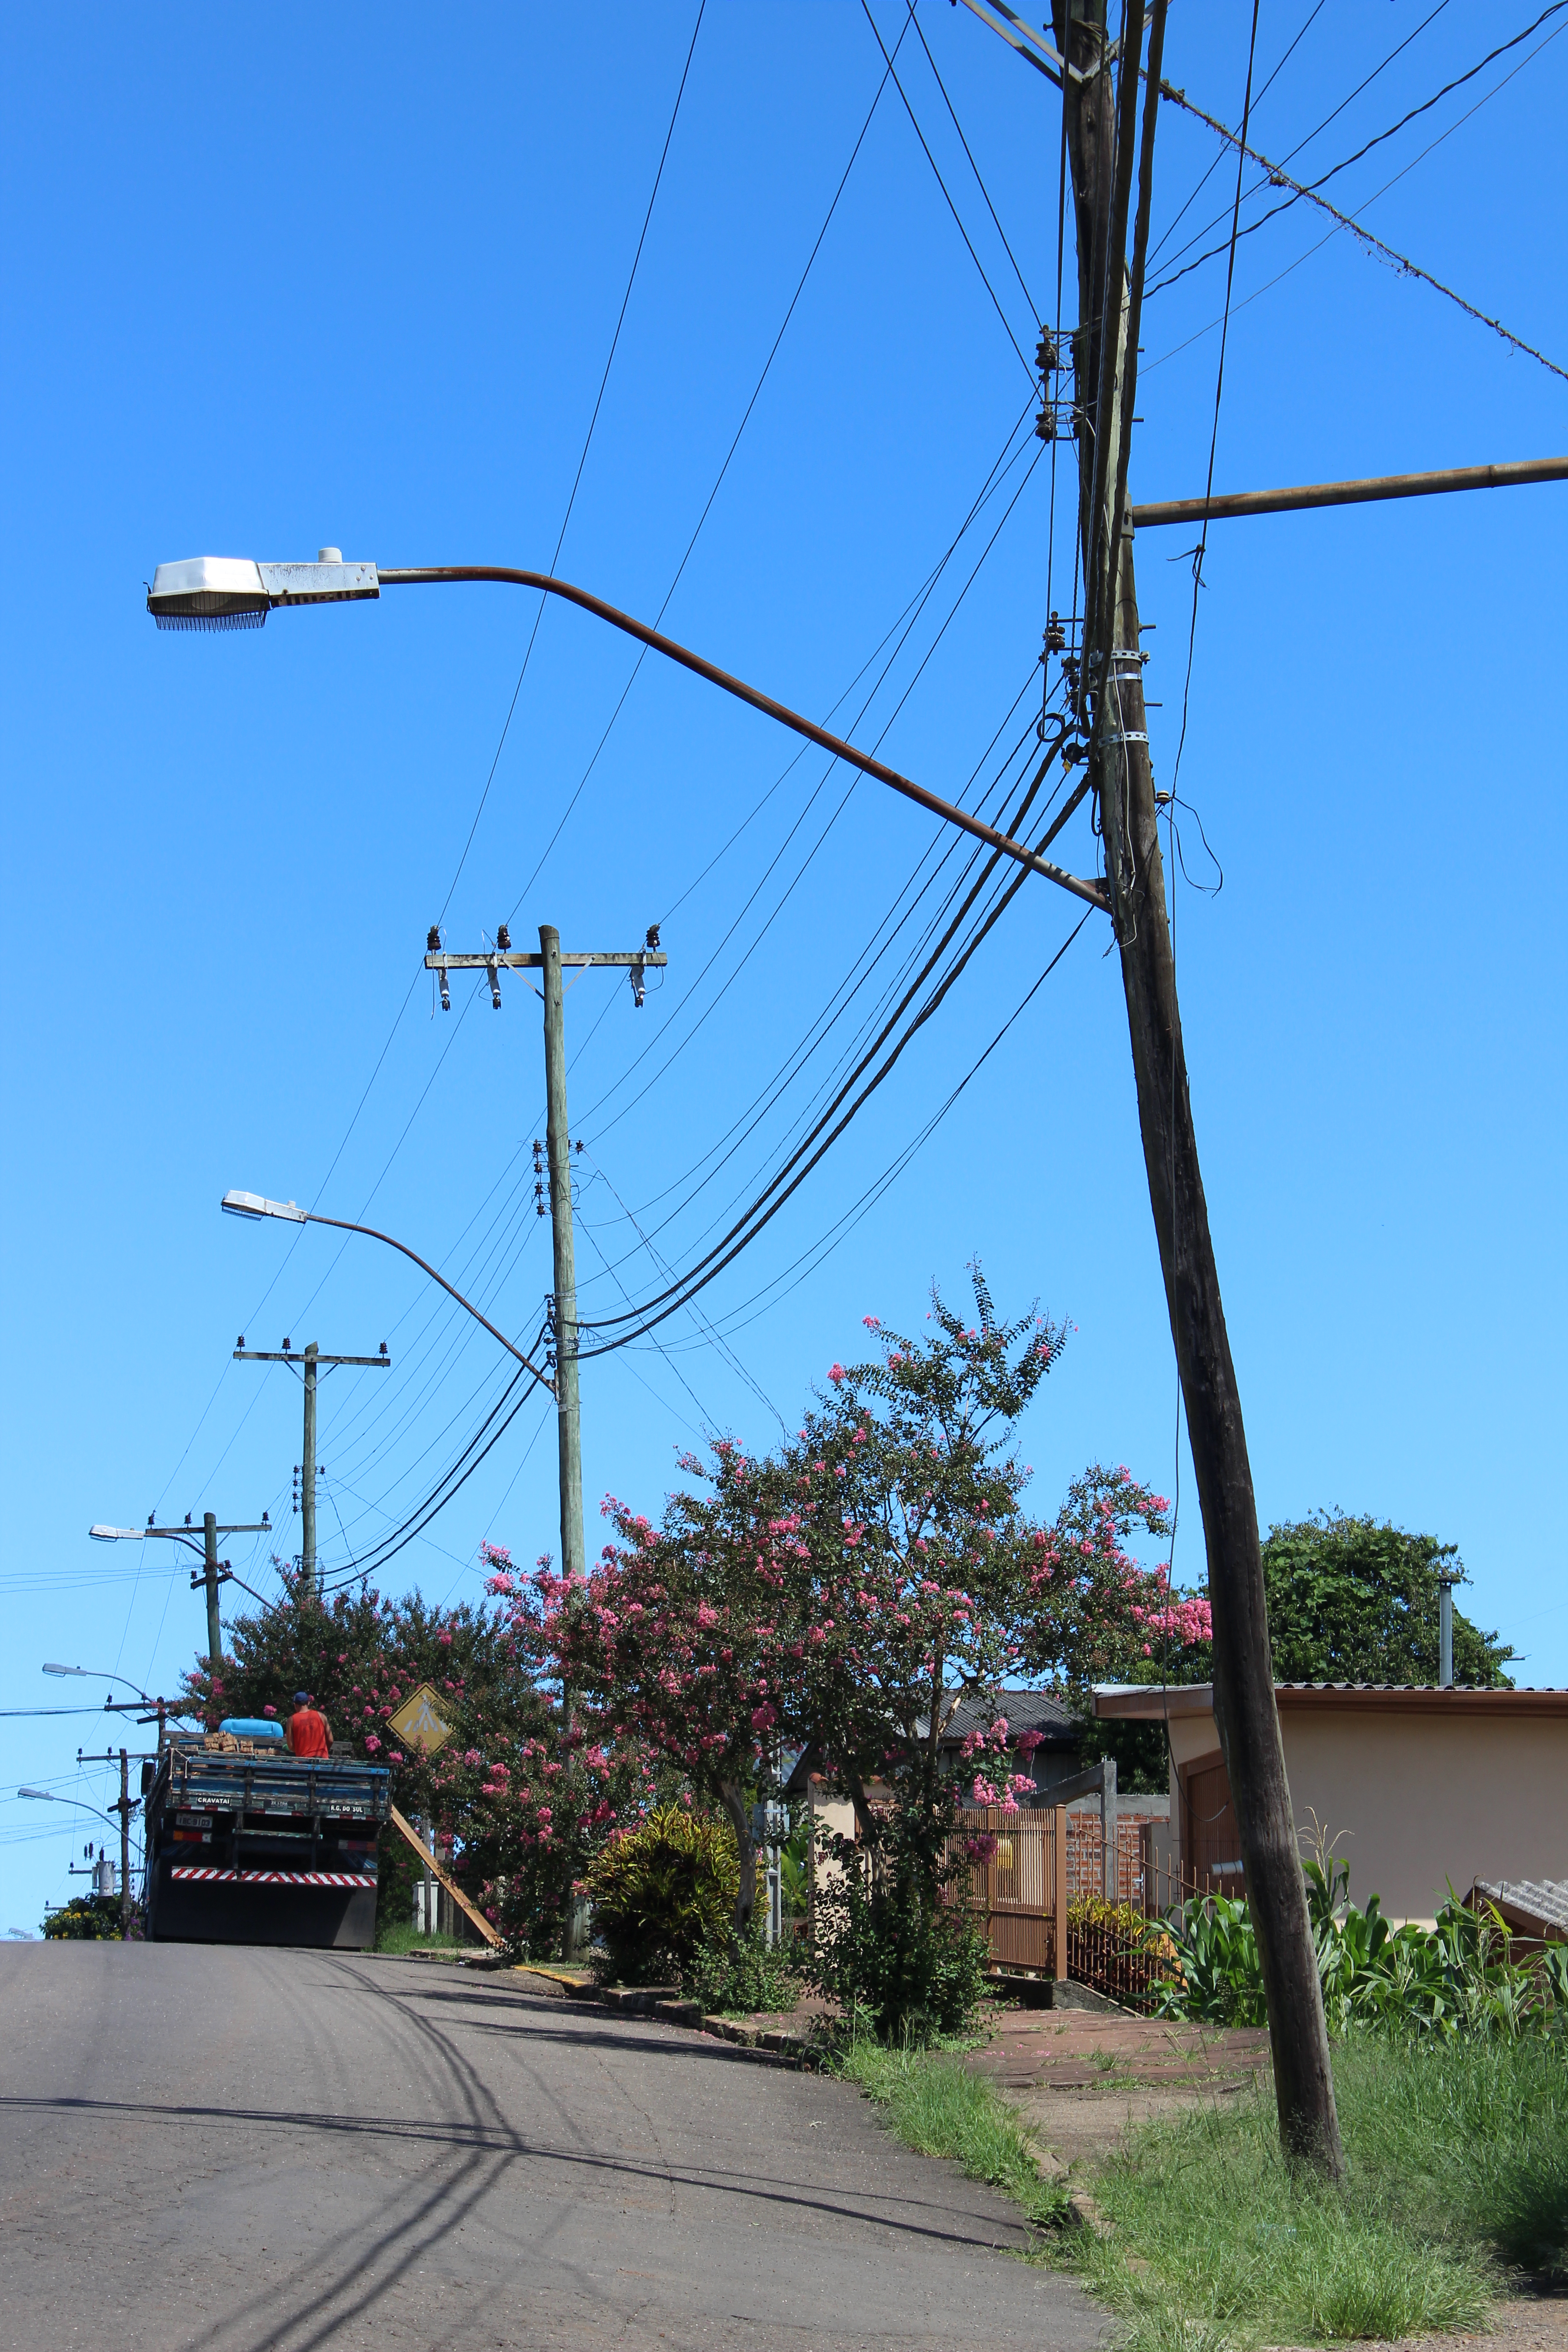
{"x": 123, "y": 1808}
{"x": 218, "y": 592}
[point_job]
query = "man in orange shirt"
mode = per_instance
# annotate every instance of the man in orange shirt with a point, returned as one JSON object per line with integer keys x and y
{"x": 309, "y": 1734}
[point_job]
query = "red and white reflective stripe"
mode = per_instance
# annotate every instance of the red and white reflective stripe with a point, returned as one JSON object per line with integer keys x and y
{"x": 274, "y": 1878}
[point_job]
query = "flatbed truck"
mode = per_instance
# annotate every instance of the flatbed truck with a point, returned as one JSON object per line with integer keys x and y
{"x": 247, "y": 1843}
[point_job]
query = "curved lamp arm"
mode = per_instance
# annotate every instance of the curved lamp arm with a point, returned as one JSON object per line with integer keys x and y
{"x": 436, "y": 575}
{"x": 255, "y": 1204}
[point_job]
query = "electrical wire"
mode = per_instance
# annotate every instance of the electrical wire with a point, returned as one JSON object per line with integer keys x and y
{"x": 1332, "y": 116}
{"x": 941, "y": 183}
{"x": 1308, "y": 189}
{"x": 1203, "y": 182}
{"x": 816, "y": 1255}
{"x": 837, "y": 812}
{"x": 718, "y": 484}
{"x": 1219, "y": 394}
{"x": 582, "y": 460}
{"x": 974, "y": 166}
{"x": 788, "y": 1179}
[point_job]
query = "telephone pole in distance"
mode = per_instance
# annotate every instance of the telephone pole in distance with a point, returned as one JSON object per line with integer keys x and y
{"x": 549, "y": 963}
{"x": 212, "y": 1572}
{"x": 310, "y": 1357}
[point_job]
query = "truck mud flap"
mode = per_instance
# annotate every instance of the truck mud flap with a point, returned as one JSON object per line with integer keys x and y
{"x": 323, "y": 1909}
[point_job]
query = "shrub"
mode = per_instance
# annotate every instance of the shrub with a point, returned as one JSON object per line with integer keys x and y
{"x": 91, "y": 1918}
{"x": 738, "y": 1975}
{"x": 663, "y": 1891}
{"x": 892, "y": 1952}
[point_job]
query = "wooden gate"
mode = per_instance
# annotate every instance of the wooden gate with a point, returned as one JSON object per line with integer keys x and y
{"x": 1011, "y": 1877}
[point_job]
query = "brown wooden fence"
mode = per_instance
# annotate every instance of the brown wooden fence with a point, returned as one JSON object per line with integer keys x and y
{"x": 1035, "y": 1882}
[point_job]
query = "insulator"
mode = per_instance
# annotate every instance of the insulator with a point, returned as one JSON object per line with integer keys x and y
{"x": 1056, "y": 635}
{"x": 503, "y": 940}
{"x": 1047, "y": 359}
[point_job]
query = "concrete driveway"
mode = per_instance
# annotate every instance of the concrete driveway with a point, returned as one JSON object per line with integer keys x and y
{"x": 234, "y": 2150}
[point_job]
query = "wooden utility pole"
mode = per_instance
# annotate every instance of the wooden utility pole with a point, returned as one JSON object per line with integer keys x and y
{"x": 548, "y": 962}
{"x": 310, "y": 1359}
{"x": 558, "y": 1148}
{"x": 1100, "y": 130}
{"x": 637, "y": 962}
{"x": 307, "y": 1477}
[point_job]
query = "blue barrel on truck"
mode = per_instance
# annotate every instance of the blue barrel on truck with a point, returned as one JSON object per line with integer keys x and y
{"x": 247, "y": 1843}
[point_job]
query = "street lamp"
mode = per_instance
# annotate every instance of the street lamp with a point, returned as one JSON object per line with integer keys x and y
{"x": 228, "y": 591}
{"x": 90, "y": 1672}
{"x": 225, "y": 592}
{"x": 213, "y": 1571}
{"x": 48, "y": 1797}
{"x": 256, "y": 1205}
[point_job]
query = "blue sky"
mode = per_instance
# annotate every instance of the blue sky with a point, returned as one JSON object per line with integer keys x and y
{"x": 331, "y": 277}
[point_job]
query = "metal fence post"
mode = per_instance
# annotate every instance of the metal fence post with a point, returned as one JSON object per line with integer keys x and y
{"x": 1060, "y": 1897}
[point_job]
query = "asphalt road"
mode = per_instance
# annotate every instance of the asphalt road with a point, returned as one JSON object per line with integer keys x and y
{"x": 238, "y": 2150}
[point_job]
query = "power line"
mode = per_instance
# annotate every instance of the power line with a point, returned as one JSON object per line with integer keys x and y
{"x": 1279, "y": 178}
{"x": 1218, "y": 394}
{"x": 582, "y": 460}
{"x": 974, "y": 166}
{"x": 843, "y": 1227}
{"x": 1332, "y": 116}
{"x": 1374, "y": 244}
{"x": 941, "y": 183}
{"x": 1205, "y": 178}
{"x": 849, "y": 794}
{"x": 718, "y": 484}
{"x": 837, "y": 1005}
{"x": 816, "y": 1145}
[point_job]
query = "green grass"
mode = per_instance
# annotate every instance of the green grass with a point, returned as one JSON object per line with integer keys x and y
{"x": 1458, "y": 2172}
{"x": 1458, "y": 2176}
{"x": 937, "y": 2108}
{"x": 402, "y": 1935}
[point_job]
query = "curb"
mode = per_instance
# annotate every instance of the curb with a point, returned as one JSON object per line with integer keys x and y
{"x": 662, "y": 2003}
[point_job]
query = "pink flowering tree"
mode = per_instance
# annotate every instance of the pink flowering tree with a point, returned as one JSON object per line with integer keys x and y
{"x": 906, "y": 1485}
{"x": 685, "y": 1642}
{"x": 1099, "y": 1614}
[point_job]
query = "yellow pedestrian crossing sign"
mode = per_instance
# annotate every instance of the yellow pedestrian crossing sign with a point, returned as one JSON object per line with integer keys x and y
{"x": 418, "y": 1722}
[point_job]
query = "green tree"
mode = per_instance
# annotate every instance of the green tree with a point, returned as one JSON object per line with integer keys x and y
{"x": 1355, "y": 1600}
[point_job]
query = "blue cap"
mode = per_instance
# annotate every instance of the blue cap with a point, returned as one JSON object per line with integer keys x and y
{"x": 301, "y": 1698}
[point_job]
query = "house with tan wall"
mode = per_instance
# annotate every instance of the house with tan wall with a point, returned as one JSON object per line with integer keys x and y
{"x": 1418, "y": 1789}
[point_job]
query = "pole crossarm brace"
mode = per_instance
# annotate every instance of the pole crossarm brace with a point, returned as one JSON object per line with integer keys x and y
{"x": 446, "y": 574}
{"x": 514, "y": 961}
{"x": 184, "y": 1535}
{"x": 295, "y": 1356}
{"x": 1228, "y": 504}
{"x": 1030, "y": 45}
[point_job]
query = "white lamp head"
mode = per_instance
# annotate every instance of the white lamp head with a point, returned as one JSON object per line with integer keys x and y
{"x": 256, "y": 1205}
{"x": 231, "y": 592}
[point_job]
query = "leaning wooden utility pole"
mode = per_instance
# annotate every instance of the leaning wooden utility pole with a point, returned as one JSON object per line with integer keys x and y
{"x": 1100, "y": 125}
